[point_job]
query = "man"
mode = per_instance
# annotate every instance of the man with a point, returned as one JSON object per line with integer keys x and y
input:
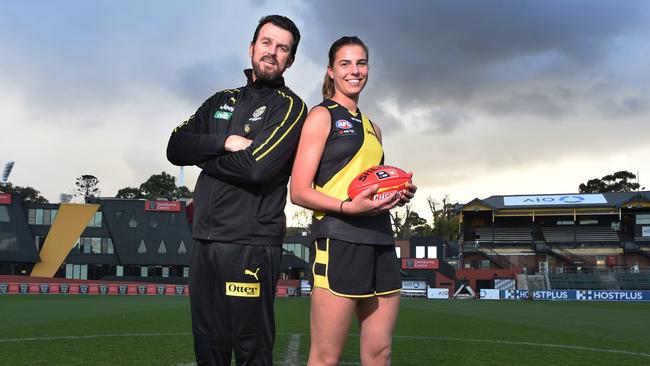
{"x": 244, "y": 140}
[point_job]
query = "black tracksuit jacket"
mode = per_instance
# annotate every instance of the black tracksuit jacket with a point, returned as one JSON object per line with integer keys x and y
{"x": 240, "y": 196}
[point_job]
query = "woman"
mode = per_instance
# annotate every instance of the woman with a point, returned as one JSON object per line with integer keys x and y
{"x": 353, "y": 261}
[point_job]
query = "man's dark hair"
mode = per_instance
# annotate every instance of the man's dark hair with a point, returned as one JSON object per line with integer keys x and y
{"x": 284, "y": 23}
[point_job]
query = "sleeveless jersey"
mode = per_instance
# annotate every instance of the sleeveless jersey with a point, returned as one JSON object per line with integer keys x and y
{"x": 352, "y": 147}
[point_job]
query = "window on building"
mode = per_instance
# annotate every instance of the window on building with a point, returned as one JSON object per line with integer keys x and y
{"x": 600, "y": 261}
{"x": 109, "y": 248}
{"x": 47, "y": 217}
{"x": 181, "y": 248}
{"x": 54, "y": 213}
{"x": 39, "y": 216}
{"x": 4, "y": 214}
{"x": 142, "y": 249}
{"x": 87, "y": 245}
{"x": 432, "y": 252}
{"x": 96, "y": 245}
{"x": 643, "y": 219}
{"x": 485, "y": 263}
{"x": 31, "y": 216}
{"x": 420, "y": 252}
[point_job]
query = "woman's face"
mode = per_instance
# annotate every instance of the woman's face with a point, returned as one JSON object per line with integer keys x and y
{"x": 349, "y": 70}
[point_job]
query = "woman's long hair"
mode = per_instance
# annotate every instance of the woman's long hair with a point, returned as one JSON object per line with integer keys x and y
{"x": 328, "y": 83}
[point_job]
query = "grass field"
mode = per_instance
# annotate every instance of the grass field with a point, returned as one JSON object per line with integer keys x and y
{"x": 153, "y": 330}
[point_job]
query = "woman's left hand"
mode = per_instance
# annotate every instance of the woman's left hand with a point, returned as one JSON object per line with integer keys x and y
{"x": 407, "y": 194}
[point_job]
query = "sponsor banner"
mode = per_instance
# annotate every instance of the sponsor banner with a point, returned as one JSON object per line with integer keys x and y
{"x": 608, "y": 295}
{"x": 5, "y": 199}
{"x": 174, "y": 206}
{"x": 98, "y": 289}
{"x": 489, "y": 294}
{"x": 437, "y": 293}
{"x": 565, "y": 199}
{"x": 578, "y": 295}
{"x": 514, "y": 294}
{"x": 282, "y": 291}
{"x": 412, "y": 263}
{"x": 645, "y": 231}
{"x": 170, "y": 289}
{"x": 414, "y": 285}
{"x": 554, "y": 295}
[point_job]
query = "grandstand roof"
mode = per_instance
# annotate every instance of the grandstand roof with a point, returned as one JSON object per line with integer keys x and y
{"x": 563, "y": 200}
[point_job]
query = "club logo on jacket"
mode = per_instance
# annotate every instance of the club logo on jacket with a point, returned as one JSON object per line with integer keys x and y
{"x": 258, "y": 113}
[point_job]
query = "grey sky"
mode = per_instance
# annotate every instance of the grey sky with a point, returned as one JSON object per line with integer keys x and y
{"x": 476, "y": 97}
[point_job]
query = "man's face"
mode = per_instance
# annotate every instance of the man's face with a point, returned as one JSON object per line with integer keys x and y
{"x": 271, "y": 53}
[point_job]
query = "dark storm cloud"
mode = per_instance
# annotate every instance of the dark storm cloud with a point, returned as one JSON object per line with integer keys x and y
{"x": 498, "y": 57}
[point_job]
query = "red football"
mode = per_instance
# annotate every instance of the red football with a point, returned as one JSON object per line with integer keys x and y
{"x": 389, "y": 178}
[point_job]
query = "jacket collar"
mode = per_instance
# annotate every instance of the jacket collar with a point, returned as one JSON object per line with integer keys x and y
{"x": 263, "y": 84}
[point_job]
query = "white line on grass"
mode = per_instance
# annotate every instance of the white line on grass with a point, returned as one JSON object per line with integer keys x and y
{"x": 453, "y": 339}
{"x": 519, "y": 343}
{"x": 292, "y": 351}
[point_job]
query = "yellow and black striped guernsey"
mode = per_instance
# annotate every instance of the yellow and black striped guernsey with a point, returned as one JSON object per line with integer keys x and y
{"x": 352, "y": 147}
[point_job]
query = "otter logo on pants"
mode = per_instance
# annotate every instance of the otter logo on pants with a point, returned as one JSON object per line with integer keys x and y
{"x": 240, "y": 289}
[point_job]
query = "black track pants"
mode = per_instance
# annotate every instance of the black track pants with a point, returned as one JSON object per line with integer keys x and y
{"x": 232, "y": 288}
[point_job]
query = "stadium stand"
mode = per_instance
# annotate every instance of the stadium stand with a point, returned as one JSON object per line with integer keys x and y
{"x": 634, "y": 281}
{"x": 504, "y": 235}
{"x": 576, "y": 281}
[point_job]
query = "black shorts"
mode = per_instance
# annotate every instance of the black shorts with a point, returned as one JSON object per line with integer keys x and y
{"x": 354, "y": 270}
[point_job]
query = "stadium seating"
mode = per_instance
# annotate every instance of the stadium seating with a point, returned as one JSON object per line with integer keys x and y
{"x": 575, "y": 281}
{"x": 504, "y": 235}
{"x": 580, "y": 234}
{"x": 634, "y": 281}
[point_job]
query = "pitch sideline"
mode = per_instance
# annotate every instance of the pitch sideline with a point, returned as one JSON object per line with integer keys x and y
{"x": 297, "y": 336}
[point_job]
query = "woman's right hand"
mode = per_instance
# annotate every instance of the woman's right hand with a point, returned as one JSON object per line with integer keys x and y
{"x": 363, "y": 205}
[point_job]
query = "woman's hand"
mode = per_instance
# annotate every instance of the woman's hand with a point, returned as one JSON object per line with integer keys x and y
{"x": 363, "y": 205}
{"x": 407, "y": 194}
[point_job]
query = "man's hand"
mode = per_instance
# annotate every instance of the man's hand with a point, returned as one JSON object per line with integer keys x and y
{"x": 236, "y": 143}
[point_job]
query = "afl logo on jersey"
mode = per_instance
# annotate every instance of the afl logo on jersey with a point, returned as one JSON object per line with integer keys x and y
{"x": 344, "y": 127}
{"x": 343, "y": 124}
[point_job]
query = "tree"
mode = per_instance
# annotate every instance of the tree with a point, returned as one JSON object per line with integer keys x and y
{"x": 28, "y": 194}
{"x": 445, "y": 222}
{"x": 129, "y": 192}
{"x": 86, "y": 186}
{"x": 161, "y": 185}
{"x": 617, "y": 182}
{"x": 408, "y": 224}
{"x": 302, "y": 220}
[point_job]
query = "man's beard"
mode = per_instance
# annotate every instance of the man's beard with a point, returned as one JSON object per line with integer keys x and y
{"x": 264, "y": 74}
